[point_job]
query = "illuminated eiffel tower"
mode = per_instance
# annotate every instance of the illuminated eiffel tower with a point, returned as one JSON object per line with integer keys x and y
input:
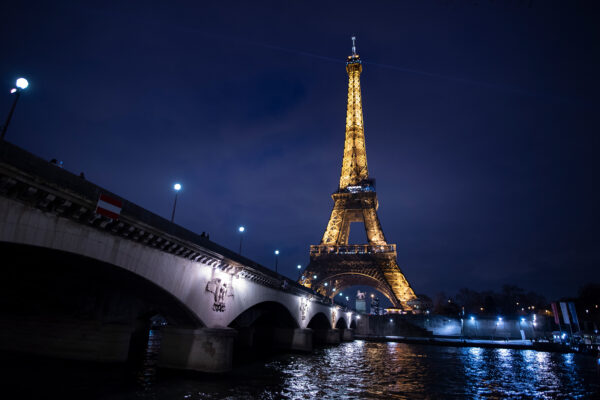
{"x": 334, "y": 264}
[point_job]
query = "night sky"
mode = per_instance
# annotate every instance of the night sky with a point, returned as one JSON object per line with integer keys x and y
{"x": 481, "y": 123}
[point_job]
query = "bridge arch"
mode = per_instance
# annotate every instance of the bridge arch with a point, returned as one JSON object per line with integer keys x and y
{"x": 267, "y": 312}
{"x": 76, "y": 286}
{"x": 183, "y": 278}
{"x": 319, "y": 321}
{"x": 262, "y": 329}
{"x": 347, "y": 279}
{"x": 341, "y": 323}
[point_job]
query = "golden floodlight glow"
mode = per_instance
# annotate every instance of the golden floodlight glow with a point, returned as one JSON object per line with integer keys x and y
{"x": 334, "y": 260}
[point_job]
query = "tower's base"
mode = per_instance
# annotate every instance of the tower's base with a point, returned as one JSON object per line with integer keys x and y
{"x": 343, "y": 267}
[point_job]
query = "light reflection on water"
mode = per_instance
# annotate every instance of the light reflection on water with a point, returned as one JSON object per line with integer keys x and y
{"x": 365, "y": 370}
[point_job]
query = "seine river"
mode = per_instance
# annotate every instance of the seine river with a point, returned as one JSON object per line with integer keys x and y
{"x": 354, "y": 370}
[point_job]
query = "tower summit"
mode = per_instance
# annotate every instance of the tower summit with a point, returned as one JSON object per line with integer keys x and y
{"x": 354, "y": 164}
{"x": 335, "y": 264}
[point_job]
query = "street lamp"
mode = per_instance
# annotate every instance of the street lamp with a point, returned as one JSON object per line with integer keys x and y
{"x": 21, "y": 85}
{"x": 276, "y": 259}
{"x": 241, "y": 230}
{"x": 177, "y": 188}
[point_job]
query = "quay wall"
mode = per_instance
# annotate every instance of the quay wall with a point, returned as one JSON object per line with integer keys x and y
{"x": 443, "y": 326}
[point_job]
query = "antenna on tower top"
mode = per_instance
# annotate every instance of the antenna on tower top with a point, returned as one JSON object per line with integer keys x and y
{"x": 353, "y": 45}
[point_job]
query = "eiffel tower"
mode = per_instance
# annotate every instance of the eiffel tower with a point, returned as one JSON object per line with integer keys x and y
{"x": 334, "y": 264}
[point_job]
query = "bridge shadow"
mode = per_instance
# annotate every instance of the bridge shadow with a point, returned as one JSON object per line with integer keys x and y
{"x": 341, "y": 325}
{"x": 321, "y": 329}
{"x": 262, "y": 330}
{"x": 64, "y": 305}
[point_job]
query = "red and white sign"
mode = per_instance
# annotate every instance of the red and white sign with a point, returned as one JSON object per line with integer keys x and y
{"x": 109, "y": 206}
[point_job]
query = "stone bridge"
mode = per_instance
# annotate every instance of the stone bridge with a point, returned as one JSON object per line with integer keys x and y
{"x": 81, "y": 285}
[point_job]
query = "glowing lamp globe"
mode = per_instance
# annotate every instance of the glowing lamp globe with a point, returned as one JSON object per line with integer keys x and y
{"x": 241, "y": 229}
{"x": 177, "y": 187}
{"x": 22, "y": 83}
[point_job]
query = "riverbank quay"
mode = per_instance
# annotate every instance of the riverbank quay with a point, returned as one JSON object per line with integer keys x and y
{"x": 483, "y": 343}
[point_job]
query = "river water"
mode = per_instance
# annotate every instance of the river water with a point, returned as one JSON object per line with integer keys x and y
{"x": 353, "y": 370}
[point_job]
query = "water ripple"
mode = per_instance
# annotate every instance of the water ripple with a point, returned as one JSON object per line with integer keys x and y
{"x": 364, "y": 370}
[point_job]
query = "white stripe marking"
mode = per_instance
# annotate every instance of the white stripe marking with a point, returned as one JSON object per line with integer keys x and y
{"x": 109, "y": 207}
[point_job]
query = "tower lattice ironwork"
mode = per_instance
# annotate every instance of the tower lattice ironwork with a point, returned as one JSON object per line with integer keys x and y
{"x": 335, "y": 264}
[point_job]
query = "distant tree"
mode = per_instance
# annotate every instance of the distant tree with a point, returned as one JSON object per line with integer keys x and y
{"x": 489, "y": 303}
{"x": 439, "y": 302}
{"x": 425, "y": 298}
{"x": 445, "y": 306}
{"x": 510, "y": 299}
{"x": 589, "y": 299}
{"x": 469, "y": 299}
{"x": 536, "y": 300}
{"x": 590, "y": 294}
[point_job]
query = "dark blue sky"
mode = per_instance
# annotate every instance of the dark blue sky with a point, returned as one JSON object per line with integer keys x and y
{"x": 481, "y": 122}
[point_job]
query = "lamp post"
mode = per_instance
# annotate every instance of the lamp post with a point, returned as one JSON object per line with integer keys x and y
{"x": 276, "y": 259}
{"x": 177, "y": 188}
{"x": 21, "y": 85}
{"x": 241, "y": 230}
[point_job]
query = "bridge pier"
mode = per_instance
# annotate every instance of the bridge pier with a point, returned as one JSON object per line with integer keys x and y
{"x": 297, "y": 339}
{"x": 327, "y": 336}
{"x": 205, "y": 349}
{"x": 348, "y": 335}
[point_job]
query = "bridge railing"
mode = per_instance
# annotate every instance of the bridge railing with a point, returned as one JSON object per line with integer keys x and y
{"x": 323, "y": 249}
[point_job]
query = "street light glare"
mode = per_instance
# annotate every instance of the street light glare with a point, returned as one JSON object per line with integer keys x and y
{"x": 241, "y": 229}
{"x": 299, "y": 266}
{"x": 276, "y": 252}
{"x": 22, "y": 83}
{"x": 177, "y": 187}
